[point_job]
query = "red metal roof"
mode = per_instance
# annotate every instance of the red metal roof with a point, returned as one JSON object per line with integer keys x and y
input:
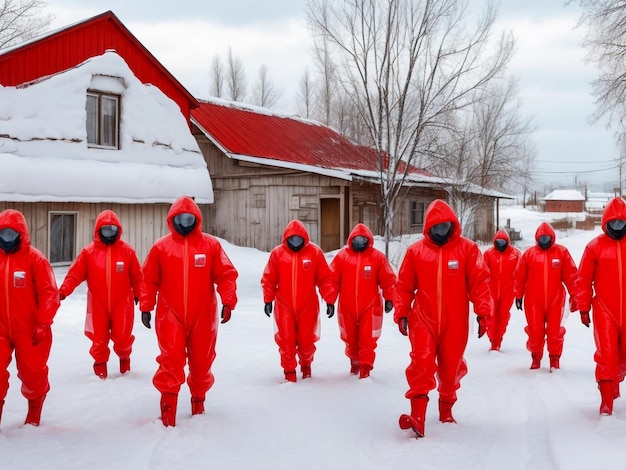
{"x": 67, "y": 47}
{"x": 243, "y": 131}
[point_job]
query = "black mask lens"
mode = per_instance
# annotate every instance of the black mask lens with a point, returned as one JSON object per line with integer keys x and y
{"x": 544, "y": 241}
{"x": 616, "y": 229}
{"x": 184, "y": 223}
{"x": 9, "y": 240}
{"x": 500, "y": 244}
{"x": 108, "y": 233}
{"x": 440, "y": 233}
{"x": 360, "y": 243}
{"x": 295, "y": 242}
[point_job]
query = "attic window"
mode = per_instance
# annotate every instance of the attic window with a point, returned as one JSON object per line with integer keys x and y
{"x": 103, "y": 111}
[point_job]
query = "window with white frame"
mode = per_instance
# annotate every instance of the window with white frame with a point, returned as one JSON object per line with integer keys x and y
{"x": 416, "y": 215}
{"x": 103, "y": 120}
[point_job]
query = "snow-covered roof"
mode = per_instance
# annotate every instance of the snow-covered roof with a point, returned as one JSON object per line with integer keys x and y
{"x": 564, "y": 195}
{"x": 44, "y": 154}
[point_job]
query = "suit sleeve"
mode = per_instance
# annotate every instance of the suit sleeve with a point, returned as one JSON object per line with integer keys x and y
{"x": 478, "y": 283}
{"x": 406, "y": 286}
{"x": 584, "y": 279}
{"x": 225, "y": 277}
{"x": 76, "y": 274}
{"x": 269, "y": 279}
{"x": 151, "y": 280}
{"x": 519, "y": 278}
{"x": 46, "y": 289}
{"x": 325, "y": 279}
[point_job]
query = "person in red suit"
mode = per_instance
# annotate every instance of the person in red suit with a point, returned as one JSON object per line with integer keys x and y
{"x": 602, "y": 288}
{"x": 293, "y": 271}
{"x": 113, "y": 274}
{"x": 439, "y": 276}
{"x": 29, "y": 300}
{"x": 362, "y": 272}
{"x": 539, "y": 279}
{"x": 501, "y": 259}
{"x": 183, "y": 269}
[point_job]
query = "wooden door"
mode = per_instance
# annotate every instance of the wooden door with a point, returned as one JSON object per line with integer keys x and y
{"x": 330, "y": 223}
{"x": 62, "y": 237}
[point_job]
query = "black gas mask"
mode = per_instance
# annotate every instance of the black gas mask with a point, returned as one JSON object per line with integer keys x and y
{"x": 616, "y": 229}
{"x": 440, "y": 233}
{"x": 184, "y": 223}
{"x": 295, "y": 242}
{"x": 544, "y": 242}
{"x": 9, "y": 240}
{"x": 108, "y": 234}
{"x": 360, "y": 243}
{"x": 500, "y": 244}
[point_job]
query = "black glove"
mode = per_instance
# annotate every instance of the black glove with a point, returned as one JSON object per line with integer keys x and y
{"x": 585, "y": 319}
{"x": 268, "y": 308}
{"x": 518, "y": 303}
{"x": 145, "y": 319}
{"x": 388, "y": 306}
{"x": 136, "y": 300}
{"x": 226, "y": 311}
{"x": 330, "y": 310}
{"x": 482, "y": 326}
{"x": 403, "y": 325}
{"x": 61, "y": 296}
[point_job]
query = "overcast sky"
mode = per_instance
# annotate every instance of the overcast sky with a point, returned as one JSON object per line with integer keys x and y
{"x": 185, "y": 35}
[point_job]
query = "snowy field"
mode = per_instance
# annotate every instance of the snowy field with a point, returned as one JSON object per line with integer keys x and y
{"x": 509, "y": 417}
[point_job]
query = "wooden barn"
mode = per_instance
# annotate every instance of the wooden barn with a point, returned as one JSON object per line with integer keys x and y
{"x": 90, "y": 120}
{"x": 268, "y": 169}
{"x": 564, "y": 200}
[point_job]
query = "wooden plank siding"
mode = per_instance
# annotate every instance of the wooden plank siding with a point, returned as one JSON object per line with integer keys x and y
{"x": 142, "y": 224}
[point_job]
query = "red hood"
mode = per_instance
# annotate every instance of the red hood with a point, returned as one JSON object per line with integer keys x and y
{"x": 363, "y": 231}
{"x": 545, "y": 229}
{"x": 10, "y": 218}
{"x": 107, "y": 217}
{"x": 181, "y": 205}
{"x": 615, "y": 209}
{"x": 439, "y": 212}
{"x": 503, "y": 234}
{"x": 295, "y": 227}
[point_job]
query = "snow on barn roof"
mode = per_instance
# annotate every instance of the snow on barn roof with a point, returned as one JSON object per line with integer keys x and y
{"x": 564, "y": 195}
{"x": 44, "y": 154}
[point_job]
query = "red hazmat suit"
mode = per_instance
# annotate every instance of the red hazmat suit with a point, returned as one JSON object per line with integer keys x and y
{"x": 435, "y": 285}
{"x": 602, "y": 288}
{"x": 539, "y": 280}
{"x": 113, "y": 276}
{"x": 289, "y": 280}
{"x": 28, "y": 298}
{"x": 184, "y": 271}
{"x": 361, "y": 276}
{"x": 501, "y": 266}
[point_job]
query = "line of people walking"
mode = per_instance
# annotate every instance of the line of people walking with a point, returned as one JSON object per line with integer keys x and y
{"x": 440, "y": 275}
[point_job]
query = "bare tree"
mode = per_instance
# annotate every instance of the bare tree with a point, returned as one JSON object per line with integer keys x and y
{"x": 217, "y": 77}
{"x": 22, "y": 20}
{"x": 605, "y": 42}
{"x": 264, "y": 94}
{"x": 236, "y": 78}
{"x": 305, "y": 94}
{"x": 407, "y": 65}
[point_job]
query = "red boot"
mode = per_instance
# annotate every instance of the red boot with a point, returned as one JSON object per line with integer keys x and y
{"x": 554, "y": 362}
{"x": 100, "y": 369}
{"x": 607, "y": 392}
{"x": 306, "y": 372}
{"x": 197, "y": 406}
{"x": 169, "y": 402}
{"x": 354, "y": 367}
{"x": 417, "y": 419}
{"x": 34, "y": 411}
{"x": 290, "y": 375}
{"x": 124, "y": 365}
{"x": 364, "y": 371}
{"x": 536, "y": 364}
{"x": 445, "y": 411}
{"x": 495, "y": 344}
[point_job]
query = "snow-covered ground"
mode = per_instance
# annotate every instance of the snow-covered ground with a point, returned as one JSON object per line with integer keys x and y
{"x": 508, "y": 416}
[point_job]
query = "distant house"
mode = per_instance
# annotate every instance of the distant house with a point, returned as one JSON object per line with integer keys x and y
{"x": 84, "y": 128}
{"x": 267, "y": 169}
{"x": 565, "y": 200}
